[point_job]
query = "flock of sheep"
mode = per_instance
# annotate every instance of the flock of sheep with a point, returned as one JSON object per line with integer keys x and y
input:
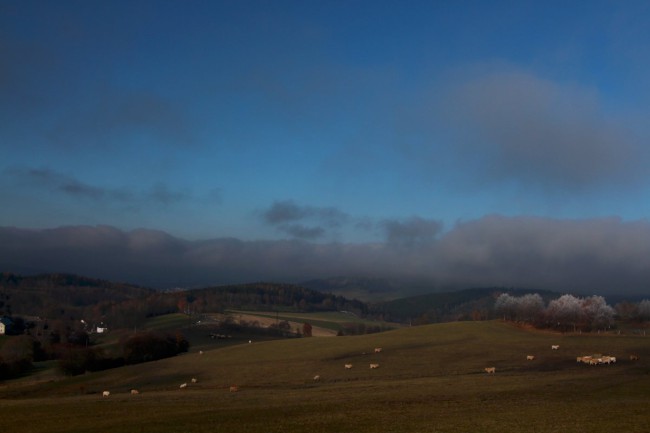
{"x": 588, "y": 359}
{"x": 492, "y": 370}
{"x": 373, "y": 366}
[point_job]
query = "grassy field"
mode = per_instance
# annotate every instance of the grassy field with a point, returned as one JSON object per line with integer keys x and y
{"x": 430, "y": 379}
{"x": 330, "y": 320}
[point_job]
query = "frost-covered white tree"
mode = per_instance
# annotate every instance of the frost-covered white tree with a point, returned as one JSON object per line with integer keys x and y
{"x": 597, "y": 314}
{"x": 565, "y": 311}
{"x": 506, "y": 306}
{"x": 526, "y": 308}
{"x": 530, "y": 308}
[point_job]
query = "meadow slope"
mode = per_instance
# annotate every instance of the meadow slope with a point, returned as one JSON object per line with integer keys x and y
{"x": 430, "y": 379}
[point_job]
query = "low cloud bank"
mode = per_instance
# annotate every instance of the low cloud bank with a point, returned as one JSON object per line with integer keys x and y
{"x": 596, "y": 256}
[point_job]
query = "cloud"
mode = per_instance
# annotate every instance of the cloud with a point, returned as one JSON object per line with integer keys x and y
{"x": 302, "y": 232}
{"x": 287, "y": 211}
{"x": 584, "y": 255}
{"x": 287, "y": 216}
{"x": 510, "y": 125}
{"x": 53, "y": 181}
{"x": 597, "y": 256}
{"x": 46, "y": 179}
{"x": 161, "y": 193}
{"x": 410, "y": 232}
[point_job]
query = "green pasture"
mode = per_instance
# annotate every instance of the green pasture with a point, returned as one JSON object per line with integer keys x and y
{"x": 328, "y": 319}
{"x": 430, "y": 379}
{"x": 168, "y": 322}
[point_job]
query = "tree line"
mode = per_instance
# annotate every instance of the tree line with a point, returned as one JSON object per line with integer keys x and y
{"x": 568, "y": 312}
{"x": 18, "y": 353}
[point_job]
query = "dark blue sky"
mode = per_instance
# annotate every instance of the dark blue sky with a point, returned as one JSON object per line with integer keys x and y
{"x": 331, "y": 124}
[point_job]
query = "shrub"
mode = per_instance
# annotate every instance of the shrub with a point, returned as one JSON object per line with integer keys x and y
{"x": 150, "y": 346}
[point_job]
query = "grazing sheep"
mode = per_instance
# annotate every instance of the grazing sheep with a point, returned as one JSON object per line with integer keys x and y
{"x": 348, "y": 366}
{"x": 135, "y": 392}
{"x": 377, "y": 349}
{"x": 183, "y": 385}
{"x": 200, "y": 352}
{"x": 555, "y": 347}
{"x": 490, "y": 370}
{"x": 194, "y": 380}
{"x": 234, "y": 388}
{"x": 634, "y": 357}
{"x": 106, "y": 393}
{"x": 530, "y": 357}
{"x": 373, "y": 366}
{"x": 316, "y": 378}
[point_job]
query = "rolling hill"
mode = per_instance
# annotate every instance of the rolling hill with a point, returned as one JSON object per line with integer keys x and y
{"x": 430, "y": 379}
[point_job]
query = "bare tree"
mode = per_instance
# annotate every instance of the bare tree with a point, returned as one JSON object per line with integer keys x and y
{"x": 644, "y": 310}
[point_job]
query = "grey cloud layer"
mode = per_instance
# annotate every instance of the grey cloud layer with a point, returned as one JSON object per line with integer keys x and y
{"x": 585, "y": 256}
{"x": 411, "y": 232}
{"x": 511, "y": 125}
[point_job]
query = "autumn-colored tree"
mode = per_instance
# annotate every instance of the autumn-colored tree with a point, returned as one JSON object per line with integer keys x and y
{"x": 306, "y": 330}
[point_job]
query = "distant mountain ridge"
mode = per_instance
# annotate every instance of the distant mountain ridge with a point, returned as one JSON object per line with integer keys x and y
{"x": 369, "y": 289}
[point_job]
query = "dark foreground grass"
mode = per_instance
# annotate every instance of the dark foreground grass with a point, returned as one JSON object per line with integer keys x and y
{"x": 430, "y": 380}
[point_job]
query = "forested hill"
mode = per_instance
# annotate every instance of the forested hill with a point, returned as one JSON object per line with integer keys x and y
{"x": 72, "y": 297}
{"x": 265, "y": 296}
{"x": 37, "y": 295}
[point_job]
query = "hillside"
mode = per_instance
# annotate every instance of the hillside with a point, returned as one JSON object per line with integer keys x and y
{"x": 469, "y": 304}
{"x": 430, "y": 378}
{"x": 73, "y": 297}
{"x": 266, "y": 295}
{"x": 44, "y": 294}
{"x": 119, "y": 305}
{"x": 366, "y": 289}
